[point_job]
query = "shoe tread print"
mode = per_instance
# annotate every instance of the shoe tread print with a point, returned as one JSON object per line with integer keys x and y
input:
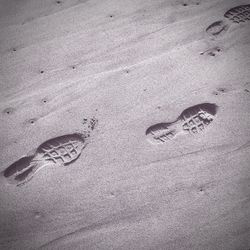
{"x": 62, "y": 150}
{"x": 192, "y": 120}
{"x": 238, "y": 14}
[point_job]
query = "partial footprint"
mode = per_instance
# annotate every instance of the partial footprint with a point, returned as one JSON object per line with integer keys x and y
{"x": 61, "y": 150}
{"x": 212, "y": 51}
{"x": 192, "y": 120}
{"x": 238, "y": 14}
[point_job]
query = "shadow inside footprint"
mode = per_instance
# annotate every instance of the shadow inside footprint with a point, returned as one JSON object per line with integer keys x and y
{"x": 24, "y": 175}
{"x": 18, "y": 166}
{"x": 217, "y": 28}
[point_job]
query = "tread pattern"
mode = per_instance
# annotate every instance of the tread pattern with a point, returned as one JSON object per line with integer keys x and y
{"x": 196, "y": 118}
{"x": 239, "y": 14}
{"x": 62, "y": 150}
{"x": 192, "y": 120}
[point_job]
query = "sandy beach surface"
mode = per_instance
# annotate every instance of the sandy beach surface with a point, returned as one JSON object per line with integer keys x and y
{"x": 125, "y": 124}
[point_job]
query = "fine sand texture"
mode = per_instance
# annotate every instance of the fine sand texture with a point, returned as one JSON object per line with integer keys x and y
{"x": 125, "y": 124}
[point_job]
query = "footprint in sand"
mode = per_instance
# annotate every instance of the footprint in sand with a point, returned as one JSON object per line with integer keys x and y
{"x": 192, "y": 120}
{"x": 236, "y": 15}
{"x": 62, "y": 151}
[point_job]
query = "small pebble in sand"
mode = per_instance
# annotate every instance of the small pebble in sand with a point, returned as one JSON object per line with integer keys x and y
{"x": 222, "y": 90}
{"x": 8, "y": 111}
